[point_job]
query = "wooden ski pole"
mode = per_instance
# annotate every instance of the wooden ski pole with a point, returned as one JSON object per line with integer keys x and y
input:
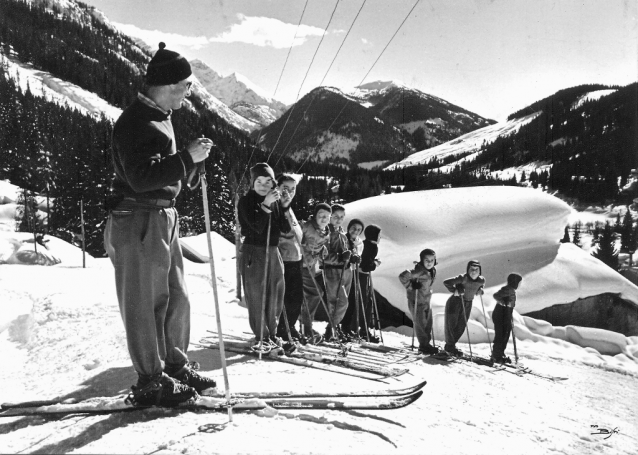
{"x": 265, "y": 288}
{"x": 376, "y": 308}
{"x": 486, "y": 327}
{"x": 365, "y": 320}
{"x": 323, "y": 302}
{"x": 514, "y": 338}
{"x": 467, "y": 329}
{"x": 214, "y": 284}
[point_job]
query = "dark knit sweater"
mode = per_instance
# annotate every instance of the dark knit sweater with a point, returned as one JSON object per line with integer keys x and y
{"x": 254, "y": 220}
{"x": 145, "y": 156}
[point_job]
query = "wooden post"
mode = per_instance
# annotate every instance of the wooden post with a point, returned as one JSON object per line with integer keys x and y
{"x": 83, "y": 241}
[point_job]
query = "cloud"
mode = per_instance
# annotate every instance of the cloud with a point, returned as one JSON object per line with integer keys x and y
{"x": 153, "y": 37}
{"x": 266, "y": 31}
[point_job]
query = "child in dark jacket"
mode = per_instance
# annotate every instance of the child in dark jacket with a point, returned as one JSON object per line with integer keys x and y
{"x": 418, "y": 283}
{"x": 459, "y": 305}
{"x": 502, "y": 317}
{"x": 369, "y": 263}
{"x": 256, "y": 209}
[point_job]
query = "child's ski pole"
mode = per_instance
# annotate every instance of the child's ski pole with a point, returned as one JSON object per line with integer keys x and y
{"x": 514, "y": 338}
{"x": 376, "y": 308}
{"x": 486, "y": 327}
{"x": 323, "y": 302}
{"x": 265, "y": 289}
{"x": 467, "y": 329}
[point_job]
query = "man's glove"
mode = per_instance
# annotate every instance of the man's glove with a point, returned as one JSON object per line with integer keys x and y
{"x": 480, "y": 291}
{"x": 416, "y": 284}
{"x": 355, "y": 259}
{"x": 345, "y": 256}
{"x": 460, "y": 288}
{"x": 323, "y": 252}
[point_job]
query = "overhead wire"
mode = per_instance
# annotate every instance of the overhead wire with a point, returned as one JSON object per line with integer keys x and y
{"x": 321, "y": 83}
{"x": 304, "y": 80}
{"x": 366, "y": 75}
{"x": 303, "y": 12}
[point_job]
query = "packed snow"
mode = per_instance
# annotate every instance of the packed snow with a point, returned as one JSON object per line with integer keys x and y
{"x": 591, "y": 96}
{"x": 65, "y": 339}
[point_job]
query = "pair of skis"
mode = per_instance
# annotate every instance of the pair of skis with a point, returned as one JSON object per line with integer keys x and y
{"x": 246, "y": 401}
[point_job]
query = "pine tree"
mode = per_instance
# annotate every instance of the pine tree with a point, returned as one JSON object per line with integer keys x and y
{"x": 576, "y": 236}
{"x": 607, "y": 251}
{"x": 626, "y": 232}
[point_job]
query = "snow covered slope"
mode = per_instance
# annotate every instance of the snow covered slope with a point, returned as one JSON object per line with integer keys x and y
{"x": 470, "y": 142}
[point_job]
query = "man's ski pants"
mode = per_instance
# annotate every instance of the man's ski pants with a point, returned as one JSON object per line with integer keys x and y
{"x": 502, "y": 318}
{"x": 422, "y": 321}
{"x": 143, "y": 245}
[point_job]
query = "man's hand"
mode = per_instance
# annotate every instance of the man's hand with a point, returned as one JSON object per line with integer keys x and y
{"x": 199, "y": 149}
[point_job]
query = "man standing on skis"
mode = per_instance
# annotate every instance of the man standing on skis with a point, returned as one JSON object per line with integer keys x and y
{"x": 142, "y": 234}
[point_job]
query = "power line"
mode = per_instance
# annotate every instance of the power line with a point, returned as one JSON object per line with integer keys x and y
{"x": 321, "y": 83}
{"x": 304, "y": 79}
{"x": 364, "y": 77}
{"x": 277, "y": 86}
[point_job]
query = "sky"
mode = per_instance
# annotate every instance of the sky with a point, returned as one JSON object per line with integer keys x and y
{"x": 491, "y": 57}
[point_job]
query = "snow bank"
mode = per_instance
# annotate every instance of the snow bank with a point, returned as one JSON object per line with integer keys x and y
{"x": 508, "y": 229}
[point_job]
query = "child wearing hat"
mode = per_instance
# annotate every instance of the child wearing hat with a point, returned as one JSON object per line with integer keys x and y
{"x": 349, "y": 326}
{"x": 314, "y": 240}
{"x": 459, "y": 306}
{"x": 336, "y": 271}
{"x": 502, "y": 317}
{"x": 418, "y": 283}
{"x": 258, "y": 209}
{"x": 369, "y": 263}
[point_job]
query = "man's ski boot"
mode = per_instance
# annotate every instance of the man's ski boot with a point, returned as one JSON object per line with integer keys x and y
{"x": 454, "y": 351}
{"x": 161, "y": 391}
{"x": 188, "y": 375}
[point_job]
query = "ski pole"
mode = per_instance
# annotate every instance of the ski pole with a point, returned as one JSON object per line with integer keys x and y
{"x": 413, "y": 319}
{"x": 432, "y": 328}
{"x": 323, "y": 302}
{"x": 486, "y": 327}
{"x": 376, "y": 308}
{"x": 357, "y": 298}
{"x": 467, "y": 329}
{"x": 365, "y": 319}
{"x": 265, "y": 288}
{"x": 214, "y": 284}
{"x": 514, "y": 337}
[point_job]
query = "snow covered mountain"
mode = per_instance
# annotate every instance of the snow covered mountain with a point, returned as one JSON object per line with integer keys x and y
{"x": 240, "y": 94}
{"x": 375, "y": 124}
{"x": 428, "y": 119}
{"x": 574, "y": 139}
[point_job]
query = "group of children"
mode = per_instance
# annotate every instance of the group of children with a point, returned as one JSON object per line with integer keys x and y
{"x": 290, "y": 268}
{"x": 419, "y": 282}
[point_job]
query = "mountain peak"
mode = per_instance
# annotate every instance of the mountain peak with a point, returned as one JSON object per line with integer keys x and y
{"x": 380, "y": 85}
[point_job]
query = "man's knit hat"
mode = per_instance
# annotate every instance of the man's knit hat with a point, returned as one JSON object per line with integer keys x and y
{"x": 321, "y": 206}
{"x": 372, "y": 232}
{"x": 167, "y": 67}
{"x": 513, "y": 280}
{"x": 261, "y": 170}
